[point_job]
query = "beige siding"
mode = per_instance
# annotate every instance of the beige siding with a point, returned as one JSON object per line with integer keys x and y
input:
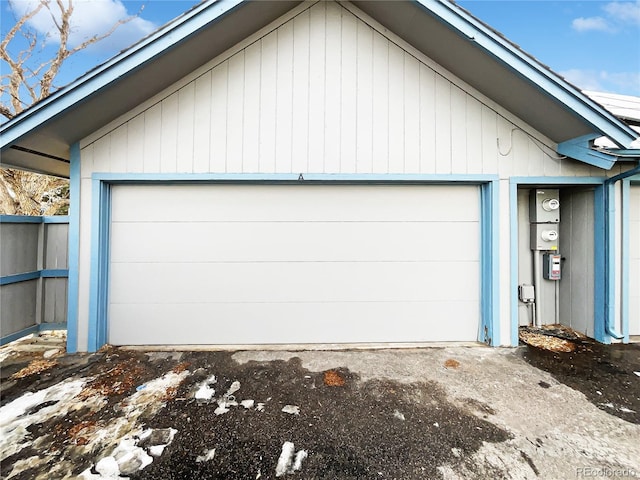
{"x": 324, "y": 92}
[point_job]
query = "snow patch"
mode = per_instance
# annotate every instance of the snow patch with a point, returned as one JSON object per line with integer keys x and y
{"x": 398, "y": 415}
{"x": 637, "y": 373}
{"x": 17, "y": 416}
{"x": 235, "y": 386}
{"x": 205, "y": 392}
{"x": 247, "y": 404}
{"x": 51, "y": 353}
{"x": 260, "y": 407}
{"x": 285, "y": 459}
{"x": 207, "y": 456}
{"x": 221, "y": 410}
{"x": 291, "y": 409}
{"x": 300, "y": 456}
{"x": 287, "y": 463}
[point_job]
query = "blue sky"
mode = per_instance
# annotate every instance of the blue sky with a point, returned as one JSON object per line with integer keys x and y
{"x": 594, "y": 44}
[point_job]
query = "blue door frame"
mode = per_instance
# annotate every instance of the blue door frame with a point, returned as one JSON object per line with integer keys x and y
{"x": 604, "y": 291}
{"x": 101, "y": 220}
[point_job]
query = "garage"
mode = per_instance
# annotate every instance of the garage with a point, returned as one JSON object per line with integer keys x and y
{"x": 634, "y": 260}
{"x": 223, "y": 264}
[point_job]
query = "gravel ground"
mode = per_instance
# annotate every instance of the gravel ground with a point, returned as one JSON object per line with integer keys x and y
{"x": 454, "y": 412}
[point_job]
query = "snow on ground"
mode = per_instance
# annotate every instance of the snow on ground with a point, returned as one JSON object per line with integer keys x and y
{"x": 64, "y": 398}
{"x": 287, "y": 464}
{"x": 27, "y": 410}
{"x": 125, "y": 429}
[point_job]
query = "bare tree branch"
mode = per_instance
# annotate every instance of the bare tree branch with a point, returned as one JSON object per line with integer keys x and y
{"x": 28, "y": 81}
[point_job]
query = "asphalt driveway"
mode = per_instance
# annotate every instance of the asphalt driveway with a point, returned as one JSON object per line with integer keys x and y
{"x": 452, "y": 412}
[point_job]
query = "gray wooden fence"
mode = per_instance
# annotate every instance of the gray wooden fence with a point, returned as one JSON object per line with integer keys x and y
{"x": 33, "y": 275}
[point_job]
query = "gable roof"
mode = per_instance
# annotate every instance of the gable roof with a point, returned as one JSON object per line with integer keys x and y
{"x": 40, "y": 137}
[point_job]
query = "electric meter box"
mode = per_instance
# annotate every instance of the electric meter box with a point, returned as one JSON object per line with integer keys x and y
{"x": 551, "y": 266}
{"x": 544, "y": 236}
{"x": 544, "y": 205}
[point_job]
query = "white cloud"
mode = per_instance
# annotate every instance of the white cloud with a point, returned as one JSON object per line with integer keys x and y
{"x": 89, "y": 18}
{"x": 627, "y": 12}
{"x": 582, "y": 24}
{"x": 617, "y": 14}
{"x": 626, "y": 83}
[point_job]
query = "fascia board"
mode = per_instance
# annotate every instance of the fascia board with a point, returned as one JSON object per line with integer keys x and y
{"x": 113, "y": 69}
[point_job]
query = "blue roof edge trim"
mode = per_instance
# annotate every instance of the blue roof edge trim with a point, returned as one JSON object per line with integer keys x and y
{"x": 118, "y": 66}
{"x": 192, "y": 21}
{"x": 549, "y": 82}
{"x": 581, "y": 149}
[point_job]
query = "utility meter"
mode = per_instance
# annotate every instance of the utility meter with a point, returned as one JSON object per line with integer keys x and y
{"x": 544, "y": 236}
{"x": 544, "y": 205}
{"x": 551, "y": 266}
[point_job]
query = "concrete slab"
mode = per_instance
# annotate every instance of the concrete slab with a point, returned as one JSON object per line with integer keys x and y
{"x": 447, "y": 412}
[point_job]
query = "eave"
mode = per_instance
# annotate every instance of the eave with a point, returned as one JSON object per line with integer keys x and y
{"x": 474, "y": 52}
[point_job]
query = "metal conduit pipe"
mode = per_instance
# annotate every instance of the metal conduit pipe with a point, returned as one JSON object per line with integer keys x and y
{"x": 537, "y": 283}
{"x": 609, "y": 213}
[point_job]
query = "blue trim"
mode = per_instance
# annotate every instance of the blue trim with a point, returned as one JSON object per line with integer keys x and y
{"x": 599, "y": 245}
{"x": 56, "y": 219}
{"x": 626, "y": 257}
{"x": 529, "y": 69}
{"x": 54, "y": 273}
{"x": 557, "y": 180}
{"x": 33, "y": 219}
{"x": 20, "y": 219}
{"x": 580, "y": 149}
{"x": 45, "y": 327}
{"x": 112, "y": 70}
{"x": 74, "y": 249}
{"x": 19, "y": 277}
{"x": 599, "y": 266}
{"x": 101, "y": 222}
{"x": 514, "y": 263}
{"x": 25, "y": 277}
{"x": 117, "y": 178}
{"x": 99, "y": 282}
{"x": 490, "y": 264}
{"x": 628, "y": 154}
{"x": 18, "y": 335}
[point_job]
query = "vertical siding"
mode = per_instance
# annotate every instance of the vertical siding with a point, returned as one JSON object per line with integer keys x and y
{"x": 202, "y": 124}
{"x": 576, "y": 244}
{"x": 634, "y": 260}
{"x": 284, "y": 103}
{"x": 324, "y": 92}
{"x": 293, "y": 76}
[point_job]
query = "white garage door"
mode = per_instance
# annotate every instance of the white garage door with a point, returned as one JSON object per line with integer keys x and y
{"x": 261, "y": 264}
{"x": 634, "y": 254}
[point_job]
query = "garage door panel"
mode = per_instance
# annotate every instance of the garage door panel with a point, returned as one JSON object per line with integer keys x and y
{"x": 292, "y": 323}
{"x": 292, "y": 203}
{"x": 293, "y": 282}
{"x": 270, "y": 241}
{"x": 225, "y": 264}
